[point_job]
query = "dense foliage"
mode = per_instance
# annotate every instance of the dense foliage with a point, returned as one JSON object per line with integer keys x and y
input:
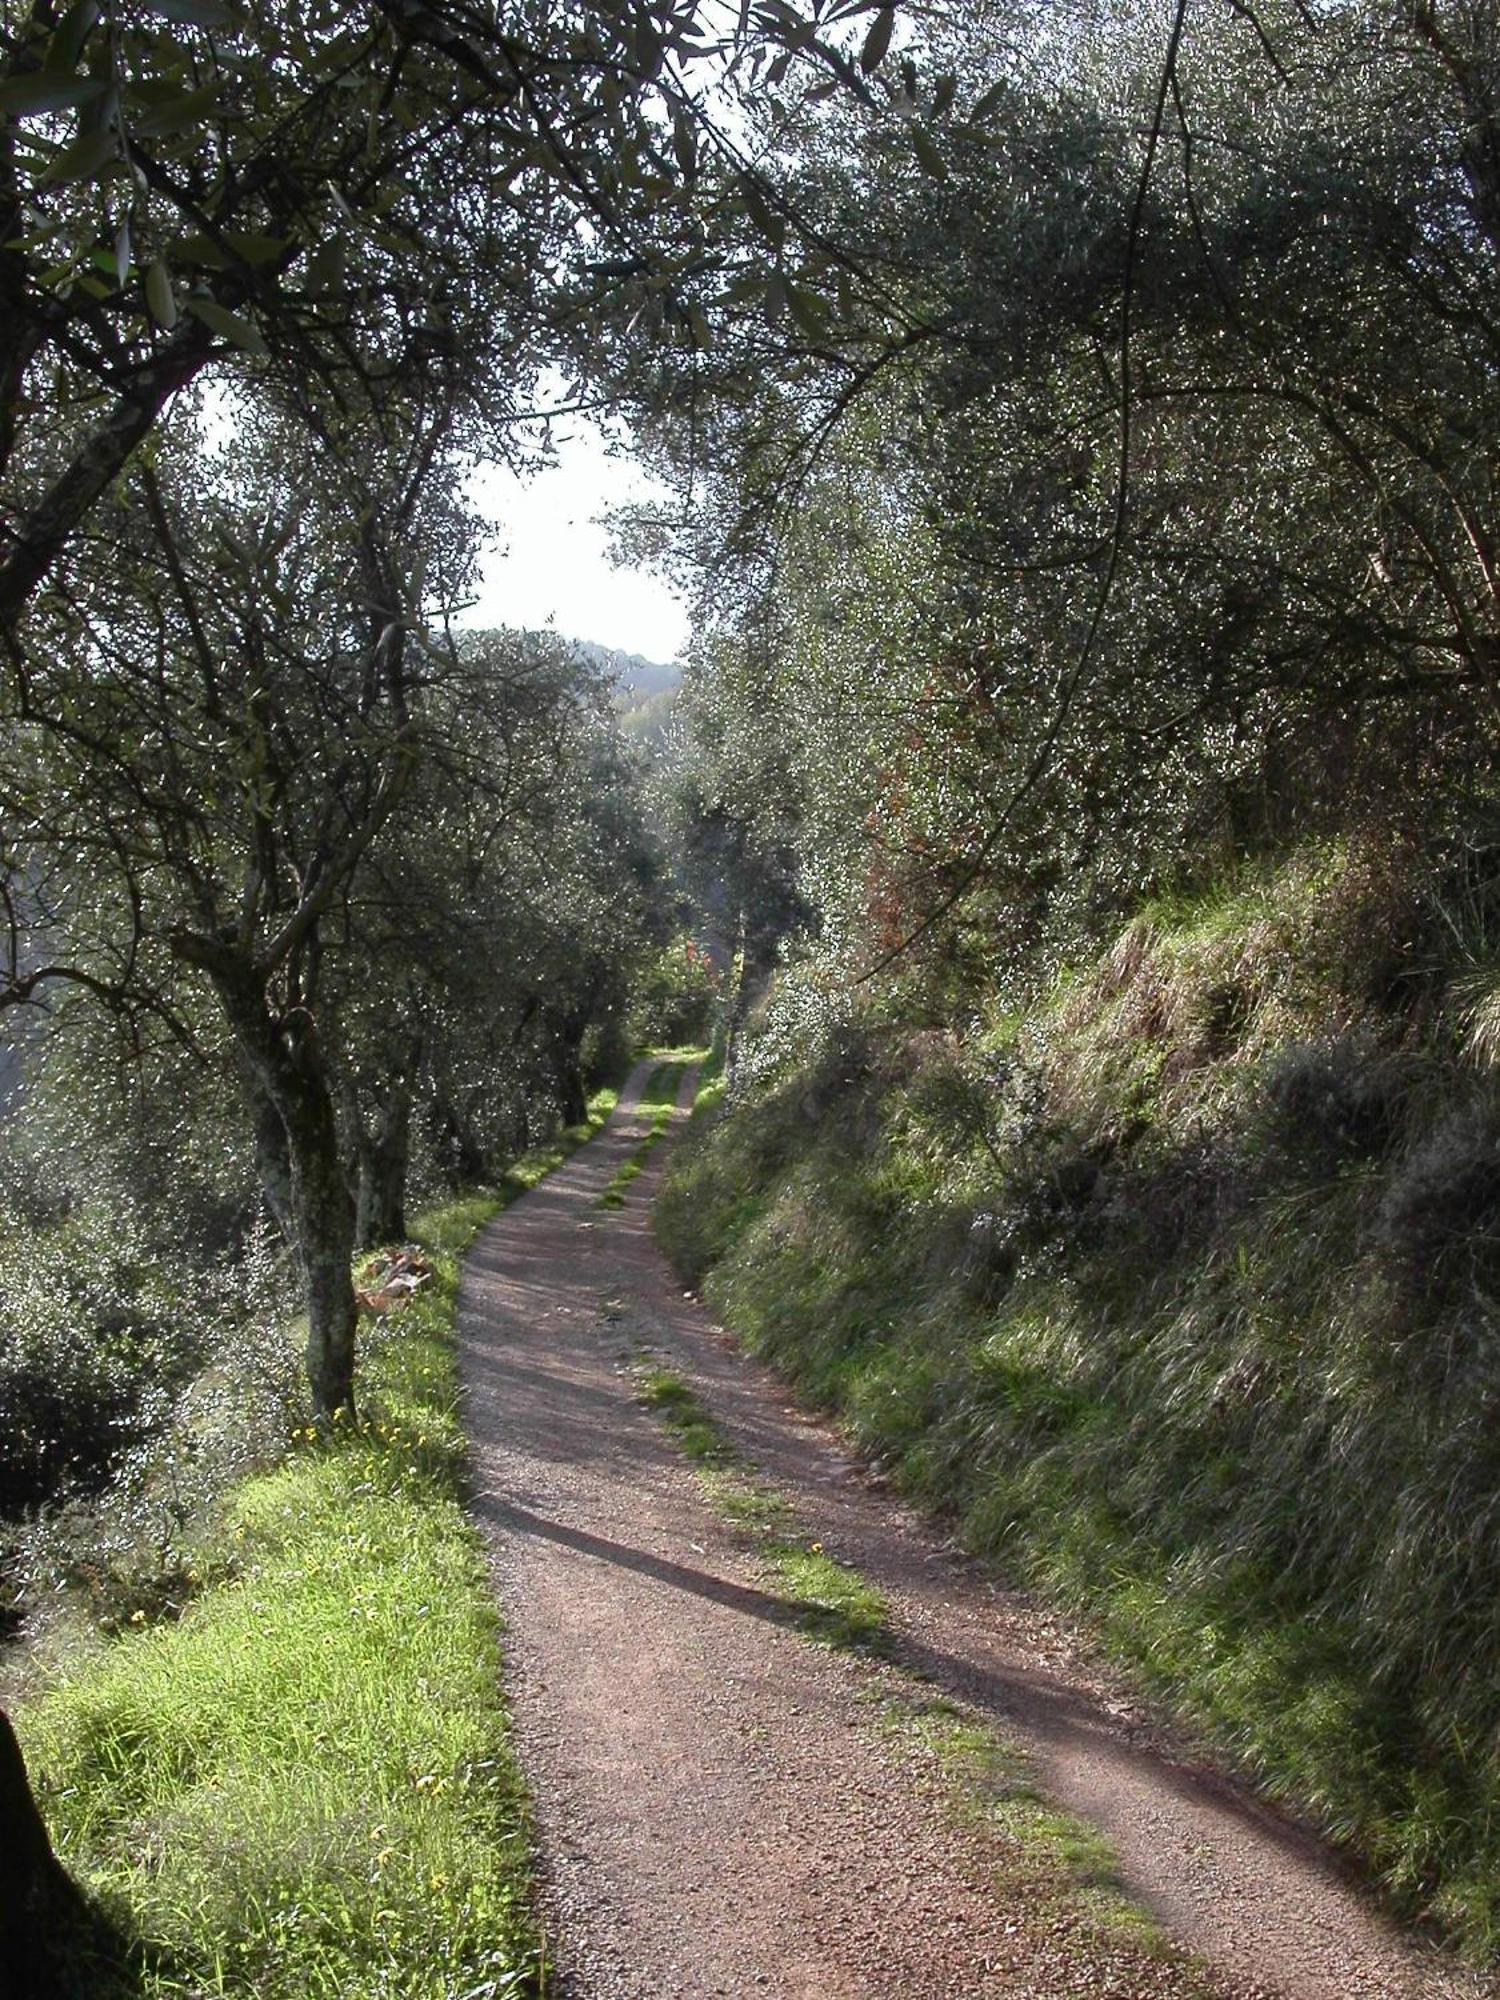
{"x": 1146, "y": 517}
{"x": 1079, "y": 426}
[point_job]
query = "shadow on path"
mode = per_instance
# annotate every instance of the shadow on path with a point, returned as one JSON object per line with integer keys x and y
{"x": 1057, "y": 1714}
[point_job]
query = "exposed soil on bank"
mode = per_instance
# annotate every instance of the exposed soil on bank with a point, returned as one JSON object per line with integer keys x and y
{"x": 720, "y": 1810}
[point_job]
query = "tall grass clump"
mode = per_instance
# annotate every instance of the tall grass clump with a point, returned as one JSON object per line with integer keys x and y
{"x": 1179, "y": 1289}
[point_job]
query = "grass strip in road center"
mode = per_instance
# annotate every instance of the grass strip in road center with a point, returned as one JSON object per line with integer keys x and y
{"x": 832, "y": 1602}
{"x": 1051, "y": 1863}
{"x": 660, "y": 1098}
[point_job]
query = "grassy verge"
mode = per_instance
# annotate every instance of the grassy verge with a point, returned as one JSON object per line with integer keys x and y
{"x": 1046, "y": 1859}
{"x": 303, "y": 1786}
{"x": 659, "y": 1097}
{"x": 712, "y": 1081}
{"x": 1177, "y": 1293}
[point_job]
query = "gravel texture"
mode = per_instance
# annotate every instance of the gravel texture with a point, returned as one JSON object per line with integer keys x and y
{"x": 719, "y": 1809}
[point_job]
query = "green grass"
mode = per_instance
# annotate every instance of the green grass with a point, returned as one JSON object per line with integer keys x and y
{"x": 838, "y": 1606}
{"x": 304, "y": 1786}
{"x": 683, "y": 1054}
{"x": 712, "y": 1082}
{"x": 680, "y": 1410}
{"x": 659, "y": 1097}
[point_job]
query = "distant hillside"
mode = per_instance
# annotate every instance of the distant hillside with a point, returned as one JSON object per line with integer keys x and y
{"x": 647, "y": 719}
{"x": 645, "y": 690}
{"x": 636, "y": 676}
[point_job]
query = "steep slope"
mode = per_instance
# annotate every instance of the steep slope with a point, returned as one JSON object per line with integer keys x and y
{"x": 1177, "y": 1287}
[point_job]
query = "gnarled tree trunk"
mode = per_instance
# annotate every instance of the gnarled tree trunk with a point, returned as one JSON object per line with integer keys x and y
{"x": 33, "y": 1886}
{"x": 464, "y": 1154}
{"x": 383, "y": 1159}
{"x": 755, "y": 963}
{"x": 575, "y": 1100}
{"x": 285, "y": 1059}
{"x": 568, "y": 1030}
{"x": 324, "y": 1213}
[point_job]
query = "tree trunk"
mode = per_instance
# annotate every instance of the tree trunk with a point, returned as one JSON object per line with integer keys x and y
{"x": 739, "y": 1003}
{"x": 33, "y": 1886}
{"x": 471, "y": 1162}
{"x": 756, "y": 964}
{"x": 568, "y": 1033}
{"x": 273, "y": 1162}
{"x": 324, "y": 1212}
{"x": 575, "y": 1102}
{"x": 383, "y": 1160}
{"x": 286, "y": 1062}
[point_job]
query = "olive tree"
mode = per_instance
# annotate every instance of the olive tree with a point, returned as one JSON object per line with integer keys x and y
{"x": 1170, "y": 526}
{"x": 225, "y": 745}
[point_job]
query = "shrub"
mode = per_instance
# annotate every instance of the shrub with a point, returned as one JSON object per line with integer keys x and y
{"x": 1441, "y": 1212}
{"x": 93, "y": 1339}
{"x": 673, "y": 997}
{"x": 1334, "y": 1101}
{"x": 147, "y": 1432}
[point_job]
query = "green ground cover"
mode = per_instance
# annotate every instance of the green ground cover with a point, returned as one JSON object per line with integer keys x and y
{"x": 658, "y": 1097}
{"x": 835, "y": 1604}
{"x": 303, "y": 1785}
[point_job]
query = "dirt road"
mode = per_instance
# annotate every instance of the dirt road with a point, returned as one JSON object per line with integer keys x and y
{"x": 723, "y": 1807}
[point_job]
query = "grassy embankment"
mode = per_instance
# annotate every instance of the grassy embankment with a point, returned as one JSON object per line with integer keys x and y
{"x": 1178, "y": 1289}
{"x": 303, "y": 1786}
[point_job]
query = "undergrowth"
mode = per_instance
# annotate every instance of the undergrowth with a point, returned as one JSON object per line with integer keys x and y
{"x": 137, "y": 1546}
{"x": 301, "y": 1783}
{"x": 1177, "y": 1288}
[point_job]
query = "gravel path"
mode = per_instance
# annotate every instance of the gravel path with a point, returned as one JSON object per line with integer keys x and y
{"x": 719, "y": 1809}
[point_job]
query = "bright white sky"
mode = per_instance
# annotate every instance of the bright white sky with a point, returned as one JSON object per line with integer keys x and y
{"x": 549, "y": 566}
